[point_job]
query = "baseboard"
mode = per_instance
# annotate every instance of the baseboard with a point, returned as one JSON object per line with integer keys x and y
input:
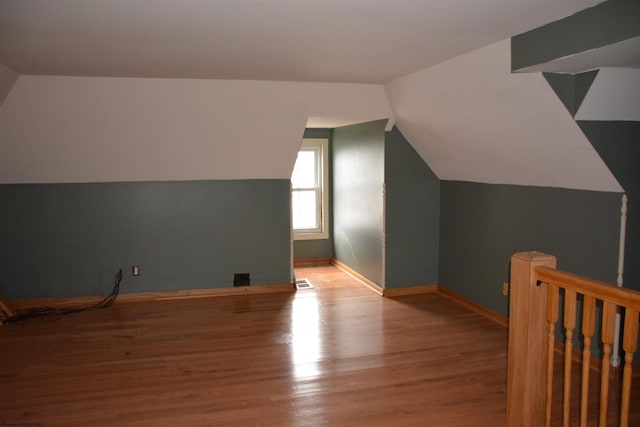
{"x": 453, "y": 296}
{"x": 410, "y": 290}
{"x": 485, "y": 312}
{"x": 359, "y": 277}
{"x": 413, "y": 290}
{"x": 64, "y": 302}
{"x": 312, "y": 262}
{"x": 155, "y": 296}
{"x": 206, "y": 293}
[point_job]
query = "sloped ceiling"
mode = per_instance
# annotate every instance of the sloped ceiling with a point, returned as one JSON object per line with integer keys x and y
{"x": 472, "y": 120}
{"x": 96, "y": 129}
{"x": 180, "y": 118}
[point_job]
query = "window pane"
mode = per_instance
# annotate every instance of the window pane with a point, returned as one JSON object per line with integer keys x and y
{"x": 304, "y": 213}
{"x": 309, "y": 180}
{"x": 305, "y": 172}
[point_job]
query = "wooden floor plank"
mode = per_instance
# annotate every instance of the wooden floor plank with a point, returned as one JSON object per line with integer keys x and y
{"x": 335, "y": 355}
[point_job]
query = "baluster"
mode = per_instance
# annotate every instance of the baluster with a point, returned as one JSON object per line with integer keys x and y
{"x": 552, "y": 317}
{"x": 630, "y": 345}
{"x": 569, "y": 325}
{"x": 608, "y": 325}
{"x": 588, "y": 329}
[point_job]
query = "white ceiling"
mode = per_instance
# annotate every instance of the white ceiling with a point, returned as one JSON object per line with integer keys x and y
{"x": 367, "y": 41}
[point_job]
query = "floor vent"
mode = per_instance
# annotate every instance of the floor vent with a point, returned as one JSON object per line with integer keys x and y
{"x": 303, "y": 284}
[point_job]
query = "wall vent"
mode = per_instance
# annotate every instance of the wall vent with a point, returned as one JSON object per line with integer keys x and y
{"x": 242, "y": 279}
{"x": 303, "y": 284}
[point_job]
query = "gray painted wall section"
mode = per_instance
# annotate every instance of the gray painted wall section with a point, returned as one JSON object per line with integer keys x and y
{"x": 358, "y": 171}
{"x": 618, "y": 143}
{"x": 317, "y": 133}
{"x": 571, "y": 88}
{"x": 412, "y": 216}
{"x": 598, "y": 26}
{"x": 322, "y": 247}
{"x": 482, "y": 225}
{"x": 62, "y": 240}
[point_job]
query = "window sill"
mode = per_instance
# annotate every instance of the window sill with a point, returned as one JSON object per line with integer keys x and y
{"x": 310, "y": 236}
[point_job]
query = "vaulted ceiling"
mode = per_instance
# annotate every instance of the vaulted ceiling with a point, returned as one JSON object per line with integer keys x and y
{"x": 200, "y": 89}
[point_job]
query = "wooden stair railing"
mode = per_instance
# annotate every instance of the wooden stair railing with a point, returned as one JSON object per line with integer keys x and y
{"x": 534, "y": 307}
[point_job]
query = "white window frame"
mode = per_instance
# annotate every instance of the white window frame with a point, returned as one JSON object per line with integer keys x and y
{"x": 323, "y": 233}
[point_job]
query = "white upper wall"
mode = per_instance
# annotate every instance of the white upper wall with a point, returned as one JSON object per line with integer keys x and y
{"x": 472, "y": 120}
{"x": 613, "y": 95}
{"x": 93, "y": 129}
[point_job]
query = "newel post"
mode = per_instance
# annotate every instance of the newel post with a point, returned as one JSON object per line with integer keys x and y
{"x": 528, "y": 332}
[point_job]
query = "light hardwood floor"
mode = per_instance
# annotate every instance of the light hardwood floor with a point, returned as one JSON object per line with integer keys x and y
{"x": 335, "y": 355}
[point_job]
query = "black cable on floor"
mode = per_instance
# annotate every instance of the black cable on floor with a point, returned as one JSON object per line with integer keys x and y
{"x": 35, "y": 312}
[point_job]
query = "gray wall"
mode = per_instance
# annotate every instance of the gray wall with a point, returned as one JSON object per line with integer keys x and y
{"x": 601, "y": 25}
{"x": 571, "y": 88}
{"x": 412, "y": 216}
{"x": 319, "y": 248}
{"x": 358, "y": 176}
{"x": 62, "y": 240}
{"x": 482, "y": 225}
{"x": 618, "y": 143}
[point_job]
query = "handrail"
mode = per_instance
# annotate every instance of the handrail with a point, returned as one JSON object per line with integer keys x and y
{"x": 534, "y": 310}
{"x": 612, "y": 297}
{"x": 623, "y": 297}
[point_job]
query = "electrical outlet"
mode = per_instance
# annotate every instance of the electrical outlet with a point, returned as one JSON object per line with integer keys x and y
{"x": 505, "y": 288}
{"x": 135, "y": 270}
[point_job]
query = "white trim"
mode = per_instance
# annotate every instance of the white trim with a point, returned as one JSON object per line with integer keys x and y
{"x": 384, "y": 235}
{"x": 323, "y": 143}
{"x": 291, "y": 244}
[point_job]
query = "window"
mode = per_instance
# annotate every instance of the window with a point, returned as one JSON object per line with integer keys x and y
{"x": 309, "y": 191}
